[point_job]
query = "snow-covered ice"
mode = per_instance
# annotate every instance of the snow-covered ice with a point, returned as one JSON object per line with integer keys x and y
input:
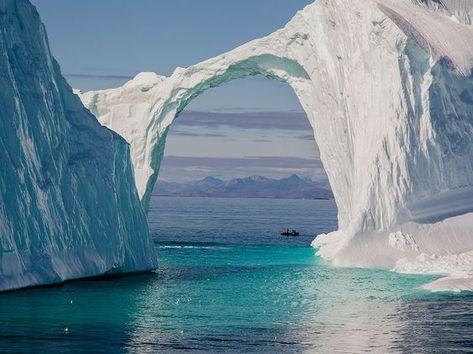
{"x": 387, "y": 88}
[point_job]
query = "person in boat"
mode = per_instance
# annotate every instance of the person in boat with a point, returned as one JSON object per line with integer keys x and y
{"x": 288, "y": 232}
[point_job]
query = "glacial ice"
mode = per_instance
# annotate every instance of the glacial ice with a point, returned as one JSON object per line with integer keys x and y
{"x": 387, "y": 88}
{"x": 68, "y": 204}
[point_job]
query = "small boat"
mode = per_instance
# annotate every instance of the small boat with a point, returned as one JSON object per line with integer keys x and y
{"x": 287, "y": 232}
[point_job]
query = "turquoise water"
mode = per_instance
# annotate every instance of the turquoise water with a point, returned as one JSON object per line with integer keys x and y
{"x": 220, "y": 287}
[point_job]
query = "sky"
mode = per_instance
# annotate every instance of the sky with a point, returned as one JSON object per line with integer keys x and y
{"x": 121, "y": 38}
{"x": 229, "y": 145}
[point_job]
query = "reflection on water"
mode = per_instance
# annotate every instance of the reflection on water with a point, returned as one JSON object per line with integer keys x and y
{"x": 441, "y": 323}
{"x": 260, "y": 302}
{"x": 233, "y": 296}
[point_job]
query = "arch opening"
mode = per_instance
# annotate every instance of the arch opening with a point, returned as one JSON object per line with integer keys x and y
{"x": 234, "y": 163}
{"x": 143, "y": 110}
{"x": 192, "y": 85}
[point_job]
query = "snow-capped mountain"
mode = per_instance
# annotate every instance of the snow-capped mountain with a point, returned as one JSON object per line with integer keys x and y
{"x": 247, "y": 187}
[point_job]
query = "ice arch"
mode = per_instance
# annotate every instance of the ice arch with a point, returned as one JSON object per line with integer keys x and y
{"x": 192, "y": 85}
{"x": 387, "y": 88}
{"x": 175, "y": 94}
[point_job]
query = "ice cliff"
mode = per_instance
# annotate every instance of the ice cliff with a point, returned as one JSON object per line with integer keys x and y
{"x": 387, "y": 88}
{"x": 68, "y": 204}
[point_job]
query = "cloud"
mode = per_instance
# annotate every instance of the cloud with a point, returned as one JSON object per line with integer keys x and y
{"x": 246, "y": 120}
{"x": 182, "y": 132}
{"x": 309, "y": 137}
{"x": 262, "y": 141}
{"x": 249, "y": 160}
{"x": 98, "y": 76}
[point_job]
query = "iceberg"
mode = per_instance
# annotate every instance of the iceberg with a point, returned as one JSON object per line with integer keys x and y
{"x": 387, "y": 88}
{"x": 69, "y": 207}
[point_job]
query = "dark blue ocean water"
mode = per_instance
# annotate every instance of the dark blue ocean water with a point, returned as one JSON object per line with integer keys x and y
{"x": 227, "y": 282}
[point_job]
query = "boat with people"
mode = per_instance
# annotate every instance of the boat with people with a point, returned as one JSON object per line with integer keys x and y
{"x": 287, "y": 232}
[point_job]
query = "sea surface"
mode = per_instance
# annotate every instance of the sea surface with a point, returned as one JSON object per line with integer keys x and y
{"x": 228, "y": 282}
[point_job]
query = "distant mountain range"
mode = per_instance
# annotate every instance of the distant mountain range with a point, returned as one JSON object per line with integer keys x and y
{"x": 293, "y": 187}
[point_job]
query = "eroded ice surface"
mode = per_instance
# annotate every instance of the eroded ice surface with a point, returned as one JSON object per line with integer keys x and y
{"x": 68, "y": 204}
{"x": 387, "y": 88}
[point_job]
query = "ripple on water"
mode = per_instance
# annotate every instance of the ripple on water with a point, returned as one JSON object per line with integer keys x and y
{"x": 220, "y": 293}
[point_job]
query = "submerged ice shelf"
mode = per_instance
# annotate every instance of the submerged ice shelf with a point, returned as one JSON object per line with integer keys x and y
{"x": 387, "y": 88}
